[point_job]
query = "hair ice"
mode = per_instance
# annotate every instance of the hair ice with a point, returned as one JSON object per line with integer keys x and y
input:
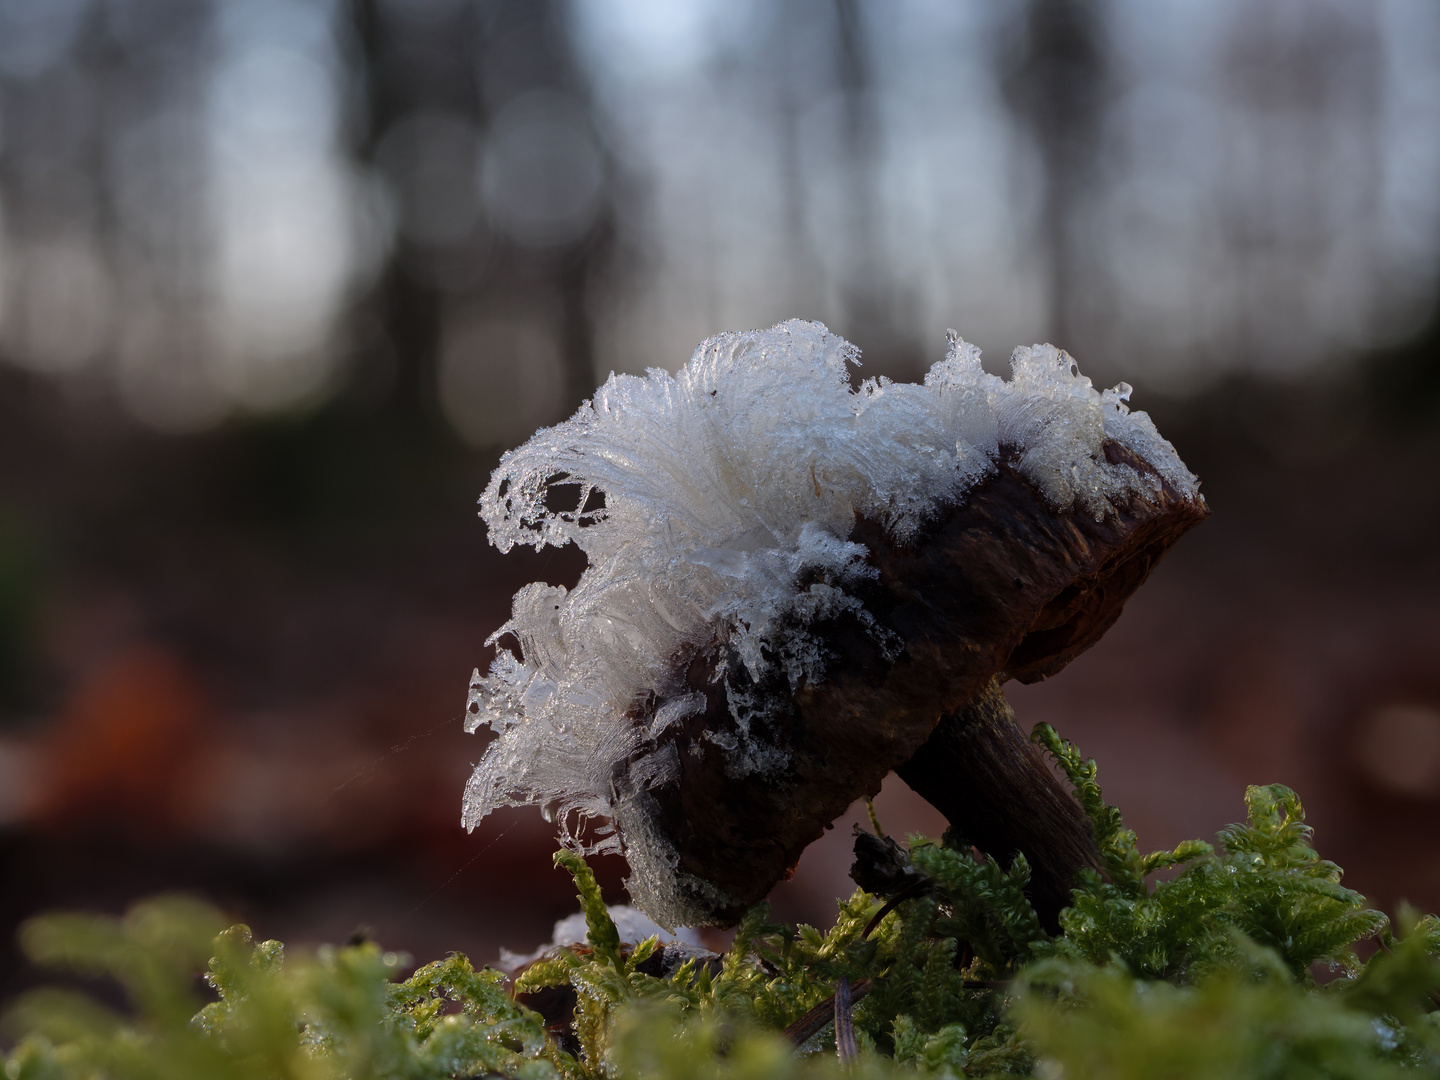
{"x": 703, "y": 500}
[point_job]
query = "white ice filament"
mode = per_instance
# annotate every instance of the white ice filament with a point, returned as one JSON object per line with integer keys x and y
{"x": 704, "y": 500}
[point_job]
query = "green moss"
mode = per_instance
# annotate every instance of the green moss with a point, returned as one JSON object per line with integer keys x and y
{"x": 1207, "y": 973}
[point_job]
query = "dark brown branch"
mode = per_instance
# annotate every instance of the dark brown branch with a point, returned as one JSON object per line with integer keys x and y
{"x": 890, "y": 905}
{"x": 1003, "y": 586}
{"x": 994, "y": 786}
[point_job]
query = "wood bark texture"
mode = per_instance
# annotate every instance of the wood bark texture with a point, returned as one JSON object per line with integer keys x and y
{"x": 1002, "y": 586}
{"x": 996, "y": 789}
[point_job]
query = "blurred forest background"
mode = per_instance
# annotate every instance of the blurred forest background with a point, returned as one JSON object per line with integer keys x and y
{"x": 280, "y": 280}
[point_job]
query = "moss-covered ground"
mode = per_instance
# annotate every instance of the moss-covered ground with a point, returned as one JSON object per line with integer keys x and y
{"x": 1242, "y": 962}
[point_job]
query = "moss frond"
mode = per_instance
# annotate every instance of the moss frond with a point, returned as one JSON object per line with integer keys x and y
{"x": 1205, "y": 974}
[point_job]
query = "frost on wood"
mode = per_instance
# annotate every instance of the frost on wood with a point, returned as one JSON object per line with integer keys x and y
{"x": 718, "y": 510}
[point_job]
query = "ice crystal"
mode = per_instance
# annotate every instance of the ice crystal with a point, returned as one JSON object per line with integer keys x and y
{"x": 716, "y": 506}
{"x": 632, "y": 925}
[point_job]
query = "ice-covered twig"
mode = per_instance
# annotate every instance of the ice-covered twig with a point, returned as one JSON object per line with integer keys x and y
{"x": 790, "y": 581}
